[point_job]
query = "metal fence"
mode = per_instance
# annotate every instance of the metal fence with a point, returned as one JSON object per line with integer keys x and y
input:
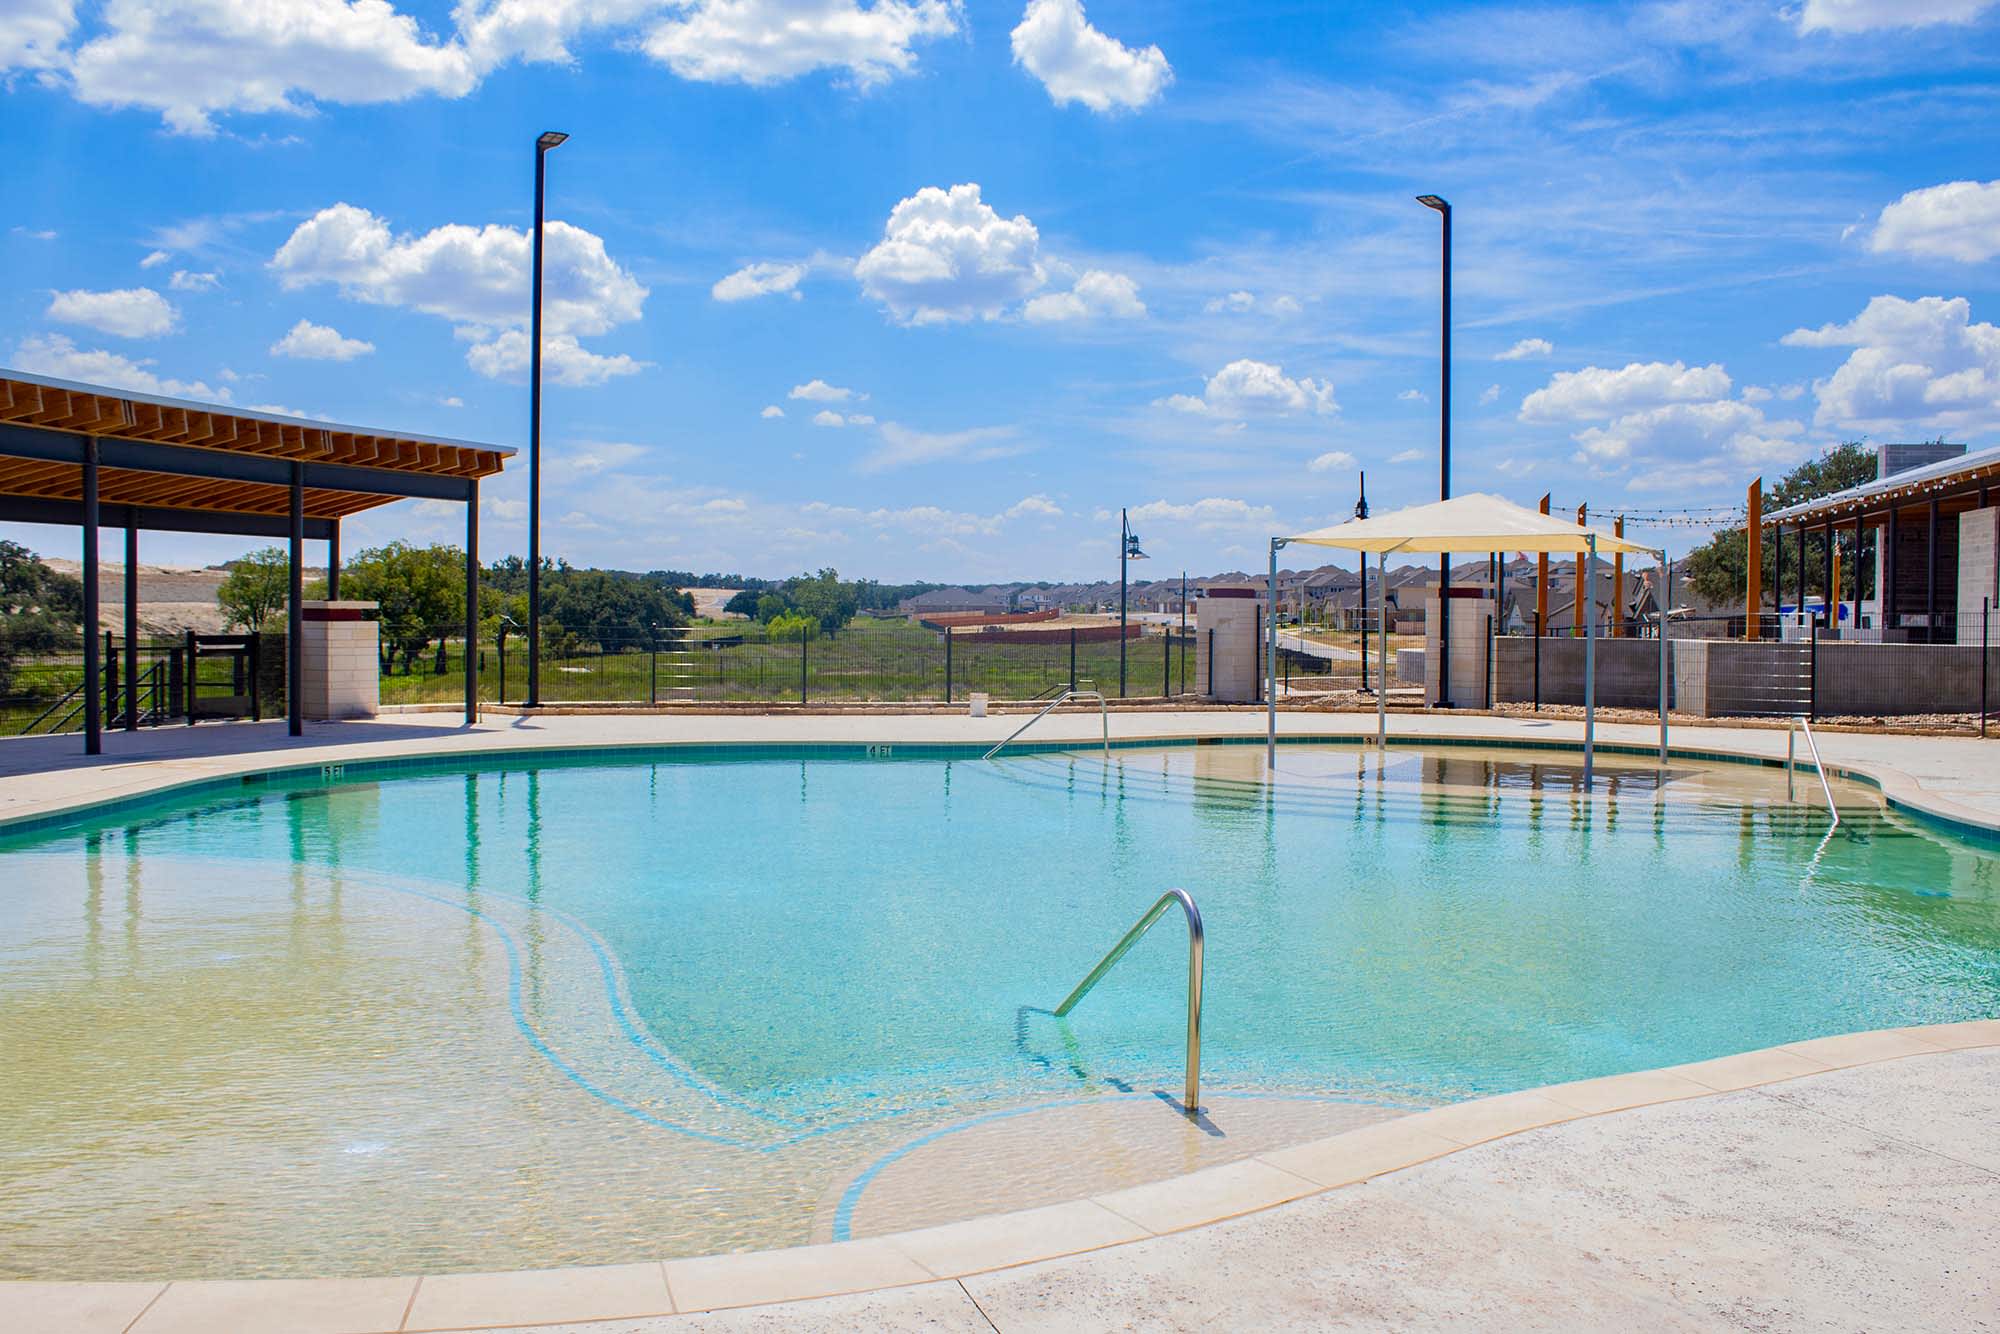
{"x": 162, "y": 679}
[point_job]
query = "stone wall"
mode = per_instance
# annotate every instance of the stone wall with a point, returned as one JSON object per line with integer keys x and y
{"x": 1978, "y": 571}
{"x": 1628, "y": 671}
{"x": 342, "y": 669}
{"x": 1236, "y": 674}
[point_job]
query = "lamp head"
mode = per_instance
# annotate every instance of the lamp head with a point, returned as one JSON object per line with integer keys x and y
{"x": 1433, "y": 201}
{"x": 550, "y": 139}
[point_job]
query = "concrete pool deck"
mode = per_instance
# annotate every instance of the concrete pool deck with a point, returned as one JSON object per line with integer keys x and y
{"x": 1848, "y": 1182}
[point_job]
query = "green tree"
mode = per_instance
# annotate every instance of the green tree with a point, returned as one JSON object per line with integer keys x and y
{"x": 1719, "y": 570}
{"x": 823, "y": 598}
{"x": 40, "y": 610}
{"x": 744, "y": 603}
{"x": 420, "y": 591}
{"x": 255, "y": 589}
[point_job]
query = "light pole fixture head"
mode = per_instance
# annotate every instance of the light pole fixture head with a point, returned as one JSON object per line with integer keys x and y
{"x": 1434, "y": 201}
{"x": 1132, "y": 551}
{"x": 550, "y": 139}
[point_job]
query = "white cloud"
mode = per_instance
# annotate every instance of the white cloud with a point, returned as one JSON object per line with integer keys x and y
{"x": 1235, "y": 303}
{"x": 1916, "y": 364}
{"x": 1851, "y": 16}
{"x": 1285, "y": 305}
{"x": 154, "y": 259}
{"x": 766, "y": 41}
{"x": 828, "y": 417}
{"x": 451, "y": 401}
{"x": 1331, "y": 461}
{"x": 1489, "y": 395}
{"x": 1246, "y": 388}
{"x": 189, "y": 59}
{"x": 1596, "y": 391}
{"x": 1673, "y": 431}
{"x": 54, "y": 355}
{"x": 945, "y": 255}
{"x": 607, "y": 456}
{"x": 1757, "y": 393}
{"x": 1077, "y": 63}
{"x": 902, "y": 447}
{"x": 32, "y": 33}
{"x": 1413, "y": 396}
{"x": 772, "y": 412}
{"x": 316, "y": 342}
{"x": 1040, "y": 506}
{"x": 1410, "y": 456}
{"x": 478, "y": 278}
{"x": 1096, "y": 295}
{"x": 129, "y": 312}
{"x": 1958, "y": 220}
{"x": 819, "y": 391}
{"x": 183, "y": 281}
{"x": 1525, "y": 349}
{"x": 757, "y": 280}
{"x": 1212, "y": 514}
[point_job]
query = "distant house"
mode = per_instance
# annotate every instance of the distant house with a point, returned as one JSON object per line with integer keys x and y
{"x": 953, "y": 599}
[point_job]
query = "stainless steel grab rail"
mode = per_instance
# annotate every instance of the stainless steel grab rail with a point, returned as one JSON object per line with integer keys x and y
{"x": 1103, "y": 709}
{"x": 1791, "y": 752}
{"x": 1191, "y": 1104}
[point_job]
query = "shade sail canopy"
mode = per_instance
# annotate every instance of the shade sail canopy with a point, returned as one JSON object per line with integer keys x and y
{"x": 1468, "y": 523}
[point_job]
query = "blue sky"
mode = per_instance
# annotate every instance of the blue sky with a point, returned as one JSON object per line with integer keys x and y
{"x": 927, "y": 290}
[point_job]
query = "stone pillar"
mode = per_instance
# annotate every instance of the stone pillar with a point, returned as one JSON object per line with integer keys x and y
{"x": 340, "y": 664}
{"x": 1469, "y": 667}
{"x": 1978, "y": 570}
{"x": 1229, "y": 655}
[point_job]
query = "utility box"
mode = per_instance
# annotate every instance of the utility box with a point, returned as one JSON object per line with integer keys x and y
{"x": 1228, "y": 654}
{"x": 341, "y": 662}
{"x": 1471, "y": 666}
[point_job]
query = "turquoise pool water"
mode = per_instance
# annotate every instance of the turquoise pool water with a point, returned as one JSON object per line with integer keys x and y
{"x": 551, "y": 986}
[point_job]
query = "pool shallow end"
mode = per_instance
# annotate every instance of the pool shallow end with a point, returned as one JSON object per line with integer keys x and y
{"x": 951, "y": 1251}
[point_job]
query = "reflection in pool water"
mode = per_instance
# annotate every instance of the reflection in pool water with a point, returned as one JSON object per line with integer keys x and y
{"x": 597, "y": 1011}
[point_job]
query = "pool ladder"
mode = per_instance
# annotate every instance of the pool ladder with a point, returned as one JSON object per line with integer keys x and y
{"x": 1103, "y": 713}
{"x": 1191, "y": 1103}
{"x": 1799, "y": 722}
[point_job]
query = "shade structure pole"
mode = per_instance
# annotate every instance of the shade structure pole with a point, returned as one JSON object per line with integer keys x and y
{"x": 295, "y": 665}
{"x": 1271, "y": 665}
{"x": 1663, "y": 662}
{"x": 472, "y": 607}
{"x": 333, "y": 562}
{"x": 93, "y": 686}
{"x": 1382, "y": 655}
{"x": 1589, "y": 668}
{"x": 131, "y": 627}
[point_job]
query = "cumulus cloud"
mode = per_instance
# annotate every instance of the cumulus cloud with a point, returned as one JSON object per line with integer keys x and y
{"x": 57, "y": 356}
{"x": 605, "y": 456}
{"x": 1211, "y": 514}
{"x": 1489, "y": 395}
{"x": 478, "y": 278}
{"x": 128, "y": 312}
{"x": 1409, "y": 456}
{"x": 772, "y": 412}
{"x": 1597, "y": 391}
{"x": 1915, "y": 364}
{"x": 1077, "y": 63}
{"x": 183, "y": 281}
{"x": 154, "y": 259}
{"x": 1242, "y": 303}
{"x": 946, "y": 255}
{"x": 316, "y": 342}
{"x": 1038, "y": 506}
{"x": 1334, "y": 460}
{"x": 1851, "y": 16}
{"x": 1526, "y": 348}
{"x": 819, "y": 391}
{"x": 1246, "y": 388}
{"x": 32, "y": 33}
{"x": 902, "y": 447}
{"x": 828, "y": 417}
{"x": 767, "y": 41}
{"x": 1413, "y": 396}
{"x": 1096, "y": 295}
{"x": 757, "y": 280}
{"x": 1957, "y": 220}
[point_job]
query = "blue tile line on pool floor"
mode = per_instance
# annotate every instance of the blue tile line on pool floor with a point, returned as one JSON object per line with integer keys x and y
{"x": 843, "y": 1214}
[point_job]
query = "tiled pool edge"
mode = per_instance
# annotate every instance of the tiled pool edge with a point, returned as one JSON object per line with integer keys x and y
{"x": 407, "y": 1305}
{"x": 1900, "y": 791}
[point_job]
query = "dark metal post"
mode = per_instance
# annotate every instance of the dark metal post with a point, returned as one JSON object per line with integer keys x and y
{"x": 1490, "y": 691}
{"x": 947, "y": 664}
{"x": 333, "y": 561}
{"x": 1072, "y": 657}
{"x": 1802, "y": 566}
{"x": 1210, "y": 692}
{"x": 1930, "y": 581}
{"x": 1860, "y": 533}
{"x": 543, "y": 144}
{"x": 802, "y": 664}
{"x": 1444, "y": 445}
{"x": 1885, "y": 596}
{"x": 1124, "y": 546}
{"x": 131, "y": 627}
{"x": 1812, "y": 671}
{"x": 256, "y": 657}
{"x": 193, "y": 674}
{"x": 1985, "y": 656}
{"x": 93, "y": 700}
{"x": 471, "y": 606}
{"x": 111, "y": 714}
{"x": 1184, "y": 632}
{"x": 1166, "y": 664}
{"x": 1832, "y": 599}
{"x": 1538, "y": 662}
{"x": 500, "y": 652}
{"x": 295, "y": 665}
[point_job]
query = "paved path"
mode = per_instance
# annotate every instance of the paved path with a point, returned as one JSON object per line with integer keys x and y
{"x": 1861, "y": 1199}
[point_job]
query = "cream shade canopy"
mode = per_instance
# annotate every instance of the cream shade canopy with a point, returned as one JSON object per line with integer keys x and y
{"x": 1468, "y": 523}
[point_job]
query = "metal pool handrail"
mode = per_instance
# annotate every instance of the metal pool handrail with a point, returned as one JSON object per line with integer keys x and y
{"x": 1791, "y": 744}
{"x": 1103, "y": 710}
{"x": 1191, "y": 1104}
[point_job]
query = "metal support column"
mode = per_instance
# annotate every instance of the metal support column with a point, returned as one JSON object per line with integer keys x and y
{"x": 295, "y": 658}
{"x": 131, "y": 627}
{"x": 1271, "y": 665}
{"x": 93, "y": 684}
{"x": 333, "y": 562}
{"x": 472, "y": 606}
{"x": 1885, "y": 596}
{"x": 1931, "y": 580}
{"x": 1589, "y": 674}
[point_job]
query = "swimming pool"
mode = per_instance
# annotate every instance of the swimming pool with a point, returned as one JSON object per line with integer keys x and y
{"x": 599, "y": 1008}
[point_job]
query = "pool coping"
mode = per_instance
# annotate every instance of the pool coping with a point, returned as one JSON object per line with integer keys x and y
{"x": 650, "y": 1289}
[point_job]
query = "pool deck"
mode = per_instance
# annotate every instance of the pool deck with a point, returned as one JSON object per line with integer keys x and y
{"x": 1847, "y": 1182}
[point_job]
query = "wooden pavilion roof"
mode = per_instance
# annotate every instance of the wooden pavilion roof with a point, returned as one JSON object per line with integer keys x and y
{"x": 107, "y": 414}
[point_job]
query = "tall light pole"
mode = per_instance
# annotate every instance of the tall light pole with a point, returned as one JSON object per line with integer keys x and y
{"x": 548, "y": 139}
{"x": 1444, "y": 453}
{"x": 1361, "y": 512}
{"x": 1128, "y": 550}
